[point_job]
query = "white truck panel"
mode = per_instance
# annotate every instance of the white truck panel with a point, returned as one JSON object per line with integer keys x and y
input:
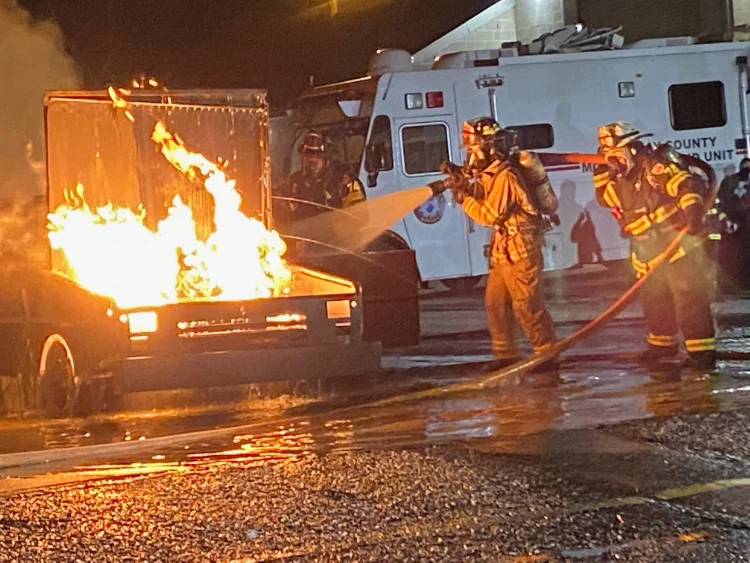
{"x": 575, "y": 94}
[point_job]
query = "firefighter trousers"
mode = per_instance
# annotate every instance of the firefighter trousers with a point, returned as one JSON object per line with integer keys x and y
{"x": 675, "y": 298}
{"x": 514, "y": 293}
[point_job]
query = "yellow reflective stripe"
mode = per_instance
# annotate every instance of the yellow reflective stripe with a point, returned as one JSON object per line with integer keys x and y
{"x": 714, "y": 236}
{"x": 639, "y": 226}
{"x": 601, "y": 180}
{"x": 676, "y": 256}
{"x": 689, "y": 199}
{"x": 484, "y": 212}
{"x": 663, "y": 213}
{"x": 661, "y": 340}
{"x": 674, "y": 183}
{"x": 638, "y": 266}
{"x": 700, "y": 344}
{"x": 610, "y": 197}
{"x": 644, "y": 267}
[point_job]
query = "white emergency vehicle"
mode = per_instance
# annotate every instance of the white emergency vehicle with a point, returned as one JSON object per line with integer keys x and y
{"x": 398, "y": 123}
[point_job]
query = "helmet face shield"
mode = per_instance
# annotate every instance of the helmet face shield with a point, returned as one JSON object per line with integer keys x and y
{"x": 478, "y": 138}
{"x": 620, "y": 160}
{"x": 606, "y": 140}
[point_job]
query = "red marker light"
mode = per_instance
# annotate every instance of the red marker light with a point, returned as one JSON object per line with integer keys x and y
{"x": 434, "y": 99}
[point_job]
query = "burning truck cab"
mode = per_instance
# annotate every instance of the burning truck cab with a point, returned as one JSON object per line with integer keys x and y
{"x": 160, "y": 201}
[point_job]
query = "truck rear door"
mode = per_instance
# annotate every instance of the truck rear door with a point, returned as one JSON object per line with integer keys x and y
{"x": 437, "y": 228}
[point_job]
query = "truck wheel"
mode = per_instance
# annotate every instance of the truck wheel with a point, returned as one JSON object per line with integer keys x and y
{"x": 461, "y": 285}
{"x": 58, "y": 388}
{"x": 388, "y": 240}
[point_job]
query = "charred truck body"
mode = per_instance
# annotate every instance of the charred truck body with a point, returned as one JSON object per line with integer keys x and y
{"x": 311, "y": 328}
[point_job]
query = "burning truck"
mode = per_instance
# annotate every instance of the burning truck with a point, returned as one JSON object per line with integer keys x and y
{"x": 159, "y": 211}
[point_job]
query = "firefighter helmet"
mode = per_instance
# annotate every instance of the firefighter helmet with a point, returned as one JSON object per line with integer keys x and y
{"x": 480, "y": 131}
{"x": 620, "y": 143}
{"x": 619, "y": 134}
{"x": 315, "y": 144}
{"x": 484, "y": 139}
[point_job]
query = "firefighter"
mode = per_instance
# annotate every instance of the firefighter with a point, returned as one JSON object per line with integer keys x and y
{"x": 321, "y": 180}
{"x": 734, "y": 219}
{"x": 653, "y": 194}
{"x": 490, "y": 192}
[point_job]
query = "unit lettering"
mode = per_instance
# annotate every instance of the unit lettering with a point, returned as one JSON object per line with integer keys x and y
{"x": 713, "y": 154}
{"x": 694, "y": 143}
{"x": 587, "y": 167}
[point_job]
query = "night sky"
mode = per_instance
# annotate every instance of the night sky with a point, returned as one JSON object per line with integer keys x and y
{"x": 273, "y": 44}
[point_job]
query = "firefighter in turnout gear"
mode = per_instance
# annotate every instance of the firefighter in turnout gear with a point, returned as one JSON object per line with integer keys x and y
{"x": 653, "y": 194}
{"x": 321, "y": 180}
{"x": 491, "y": 193}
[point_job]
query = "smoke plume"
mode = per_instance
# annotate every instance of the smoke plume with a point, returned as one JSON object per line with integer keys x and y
{"x": 32, "y": 59}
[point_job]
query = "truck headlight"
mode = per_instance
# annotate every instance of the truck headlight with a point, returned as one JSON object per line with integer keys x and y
{"x": 340, "y": 309}
{"x": 143, "y": 322}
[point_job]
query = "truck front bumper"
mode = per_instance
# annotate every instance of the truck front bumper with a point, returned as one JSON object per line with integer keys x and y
{"x": 212, "y": 369}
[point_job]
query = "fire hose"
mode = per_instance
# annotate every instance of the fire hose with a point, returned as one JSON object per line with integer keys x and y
{"x": 555, "y": 349}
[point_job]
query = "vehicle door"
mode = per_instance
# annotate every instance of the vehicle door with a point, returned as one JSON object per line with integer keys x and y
{"x": 13, "y": 327}
{"x": 436, "y": 229}
{"x": 487, "y": 96}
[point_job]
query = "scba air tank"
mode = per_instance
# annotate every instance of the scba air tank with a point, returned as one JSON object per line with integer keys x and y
{"x": 535, "y": 180}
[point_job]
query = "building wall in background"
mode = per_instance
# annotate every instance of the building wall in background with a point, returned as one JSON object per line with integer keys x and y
{"x": 536, "y": 17}
{"x": 504, "y": 21}
{"x": 741, "y": 12}
{"x": 488, "y": 36}
{"x": 641, "y": 19}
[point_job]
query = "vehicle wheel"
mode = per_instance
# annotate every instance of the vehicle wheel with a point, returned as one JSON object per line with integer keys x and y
{"x": 388, "y": 240}
{"x": 58, "y": 387}
{"x": 460, "y": 285}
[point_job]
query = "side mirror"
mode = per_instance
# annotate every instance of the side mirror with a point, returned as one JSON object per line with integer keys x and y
{"x": 372, "y": 178}
{"x": 374, "y": 158}
{"x": 377, "y": 158}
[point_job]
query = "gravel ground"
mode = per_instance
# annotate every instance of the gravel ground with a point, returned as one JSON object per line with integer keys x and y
{"x": 723, "y": 433}
{"x": 446, "y": 503}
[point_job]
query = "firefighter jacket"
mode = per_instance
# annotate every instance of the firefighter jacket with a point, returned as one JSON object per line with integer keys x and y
{"x": 734, "y": 202}
{"x": 653, "y": 203}
{"x": 334, "y": 187}
{"x": 505, "y": 205}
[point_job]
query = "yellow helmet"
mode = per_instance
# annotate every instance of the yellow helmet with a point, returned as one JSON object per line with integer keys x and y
{"x": 619, "y": 134}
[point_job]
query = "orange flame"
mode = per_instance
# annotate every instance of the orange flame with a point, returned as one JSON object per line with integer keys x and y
{"x": 111, "y": 252}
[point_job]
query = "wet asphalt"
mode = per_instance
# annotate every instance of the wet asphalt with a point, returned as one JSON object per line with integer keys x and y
{"x": 604, "y": 460}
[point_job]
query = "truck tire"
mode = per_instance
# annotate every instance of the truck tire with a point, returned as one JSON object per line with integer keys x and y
{"x": 388, "y": 240}
{"x": 58, "y": 388}
{"x": 461, "y": 285}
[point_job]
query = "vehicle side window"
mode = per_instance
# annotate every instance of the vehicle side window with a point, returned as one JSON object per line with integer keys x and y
{"x": 697, "y": 105}
{"x": 60, "y": 300}
{"x": 537, "y": 136}
{"x": 380, "y": 147}
{"x": 425, "y": 147}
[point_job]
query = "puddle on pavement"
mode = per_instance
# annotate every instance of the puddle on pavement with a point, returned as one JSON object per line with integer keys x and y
{"x": 513, "y": 417}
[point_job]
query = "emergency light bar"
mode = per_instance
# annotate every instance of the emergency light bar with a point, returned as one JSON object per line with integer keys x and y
{"x": 434, "y": 99}
{"x": 414, "y": 100}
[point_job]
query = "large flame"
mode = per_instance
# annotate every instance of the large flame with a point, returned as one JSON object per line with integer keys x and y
{"x": 110, "y": 251}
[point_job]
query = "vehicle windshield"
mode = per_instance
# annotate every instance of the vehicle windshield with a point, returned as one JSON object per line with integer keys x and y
{"x": 343, "y": 115}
